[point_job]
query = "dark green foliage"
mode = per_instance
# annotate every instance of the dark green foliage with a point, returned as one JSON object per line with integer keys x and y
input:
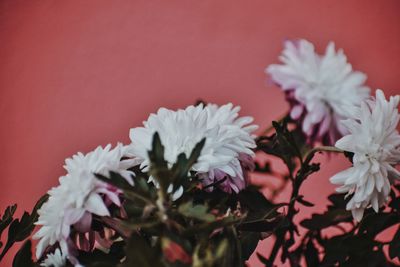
{"x": 394, "y": 246}
{"x": 18, "y": 229}
{"x": 285, "y": 144}
{"x": 335, "y": 214}
{"x": 212, "y": 229}
{"x": 23, "y": 258}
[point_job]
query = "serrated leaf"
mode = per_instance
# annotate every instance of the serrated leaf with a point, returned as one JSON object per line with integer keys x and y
{"x": 327, "y": 219}
{"x": 7, "y": 217}
{"x": 20, "y": 229}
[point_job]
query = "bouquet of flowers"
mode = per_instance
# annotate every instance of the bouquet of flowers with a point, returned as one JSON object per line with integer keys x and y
{"x": 180, "y": 193}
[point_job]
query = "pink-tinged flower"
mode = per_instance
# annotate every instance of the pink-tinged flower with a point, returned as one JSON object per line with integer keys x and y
{"x": 322, "y": 90}
{"x": 227, "y": 150}
{"x": 79, "y": 195}
{"x": 375, "y": 142}
{"x": 173, "y": 252}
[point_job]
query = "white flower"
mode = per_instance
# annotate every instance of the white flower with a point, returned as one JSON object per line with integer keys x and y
{"x": 79, "y": 195}
{"x": 56, "y": 259}
{"x": 375, "y": 143}
{"x": 227, "y": 138}
{"x": 321, "y": 89}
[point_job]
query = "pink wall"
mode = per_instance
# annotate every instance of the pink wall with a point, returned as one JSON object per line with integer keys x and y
{"x": 75, "y": 74}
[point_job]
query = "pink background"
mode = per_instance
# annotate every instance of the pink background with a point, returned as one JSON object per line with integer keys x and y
{"x": 76, "y": 74}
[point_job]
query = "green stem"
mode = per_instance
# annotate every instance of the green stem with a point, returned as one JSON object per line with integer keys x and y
{"x": 309, "y": 156}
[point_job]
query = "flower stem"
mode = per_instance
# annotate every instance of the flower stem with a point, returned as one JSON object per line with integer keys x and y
{"x": 309, "y": 156}
{"x": 297, "y": 182}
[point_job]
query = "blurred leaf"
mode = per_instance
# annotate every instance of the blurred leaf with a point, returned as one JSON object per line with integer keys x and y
{"x": 311, "y": 255}
{"x": 181, "y": 168}
{"x": 199, "y": 212}
{"x": 23, "y": 258}
{"x": 327, "y": 219}
{"x": 335, "y": 214}
{"x": 116, "y": 180}
{"x": 263, "y": 169}
{"x": 351, "y": 250}
{"x": 158, "y": 166}
{"x": 208, "y": 227}
{"x": 249, "y": 242}
{"x": 263, "y": 259}
{"x": 97, "y": 258}
{"x": 252, "y": 199}
{"x": 139, "y": 254}
{"x": 394, "y": 246}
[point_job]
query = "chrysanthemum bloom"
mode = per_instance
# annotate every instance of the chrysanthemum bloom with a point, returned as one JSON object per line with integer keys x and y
{"x": 322, "y": 90}
{"x": 375, "y": 143}
{"x": 79, "y": 195}
{"x": 225, "y": 154}
{"x": 55, "y": 259}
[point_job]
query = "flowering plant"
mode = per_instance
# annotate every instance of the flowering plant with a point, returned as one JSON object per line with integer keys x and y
{"x": 180, "y": 193}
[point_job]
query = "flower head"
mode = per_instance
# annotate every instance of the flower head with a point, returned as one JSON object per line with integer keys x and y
{"x": 322, "y": 90}
{"x": 56, "y": 259}
{"x": 228, "y": 141}
{"x": 79, "y": 195}
{"x": 375, "y": 142}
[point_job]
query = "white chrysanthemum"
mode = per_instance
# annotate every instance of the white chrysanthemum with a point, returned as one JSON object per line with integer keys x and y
{"x": 322, "y": 90}
{"x": 375, "y": 143}
{"x": 56, "y": 259}
{"x": 79, "y": 195}
{"x": 227, "y": 138}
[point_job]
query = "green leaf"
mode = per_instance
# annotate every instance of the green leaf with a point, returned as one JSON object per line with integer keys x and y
{"x": 158, "y": 166}
{"x": 23, "y": 258}
{"x": 374, "y": 223}
{"x": 335, "y": 214}
{"x": 116, "y": 180}
{"x": 285, "y": 144}
{"x": 249, "y": 242}
{"x": 183, "y": 165}
{"x": 199, "y": 212}
{"x": 252, "y": 199}
{"x": 139, "y": 253}
{"x": 7, "y": 217}
{"x": 20, "y": 229}
{"x": 327, "y": 219}
{"x": 352, "y": 250}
